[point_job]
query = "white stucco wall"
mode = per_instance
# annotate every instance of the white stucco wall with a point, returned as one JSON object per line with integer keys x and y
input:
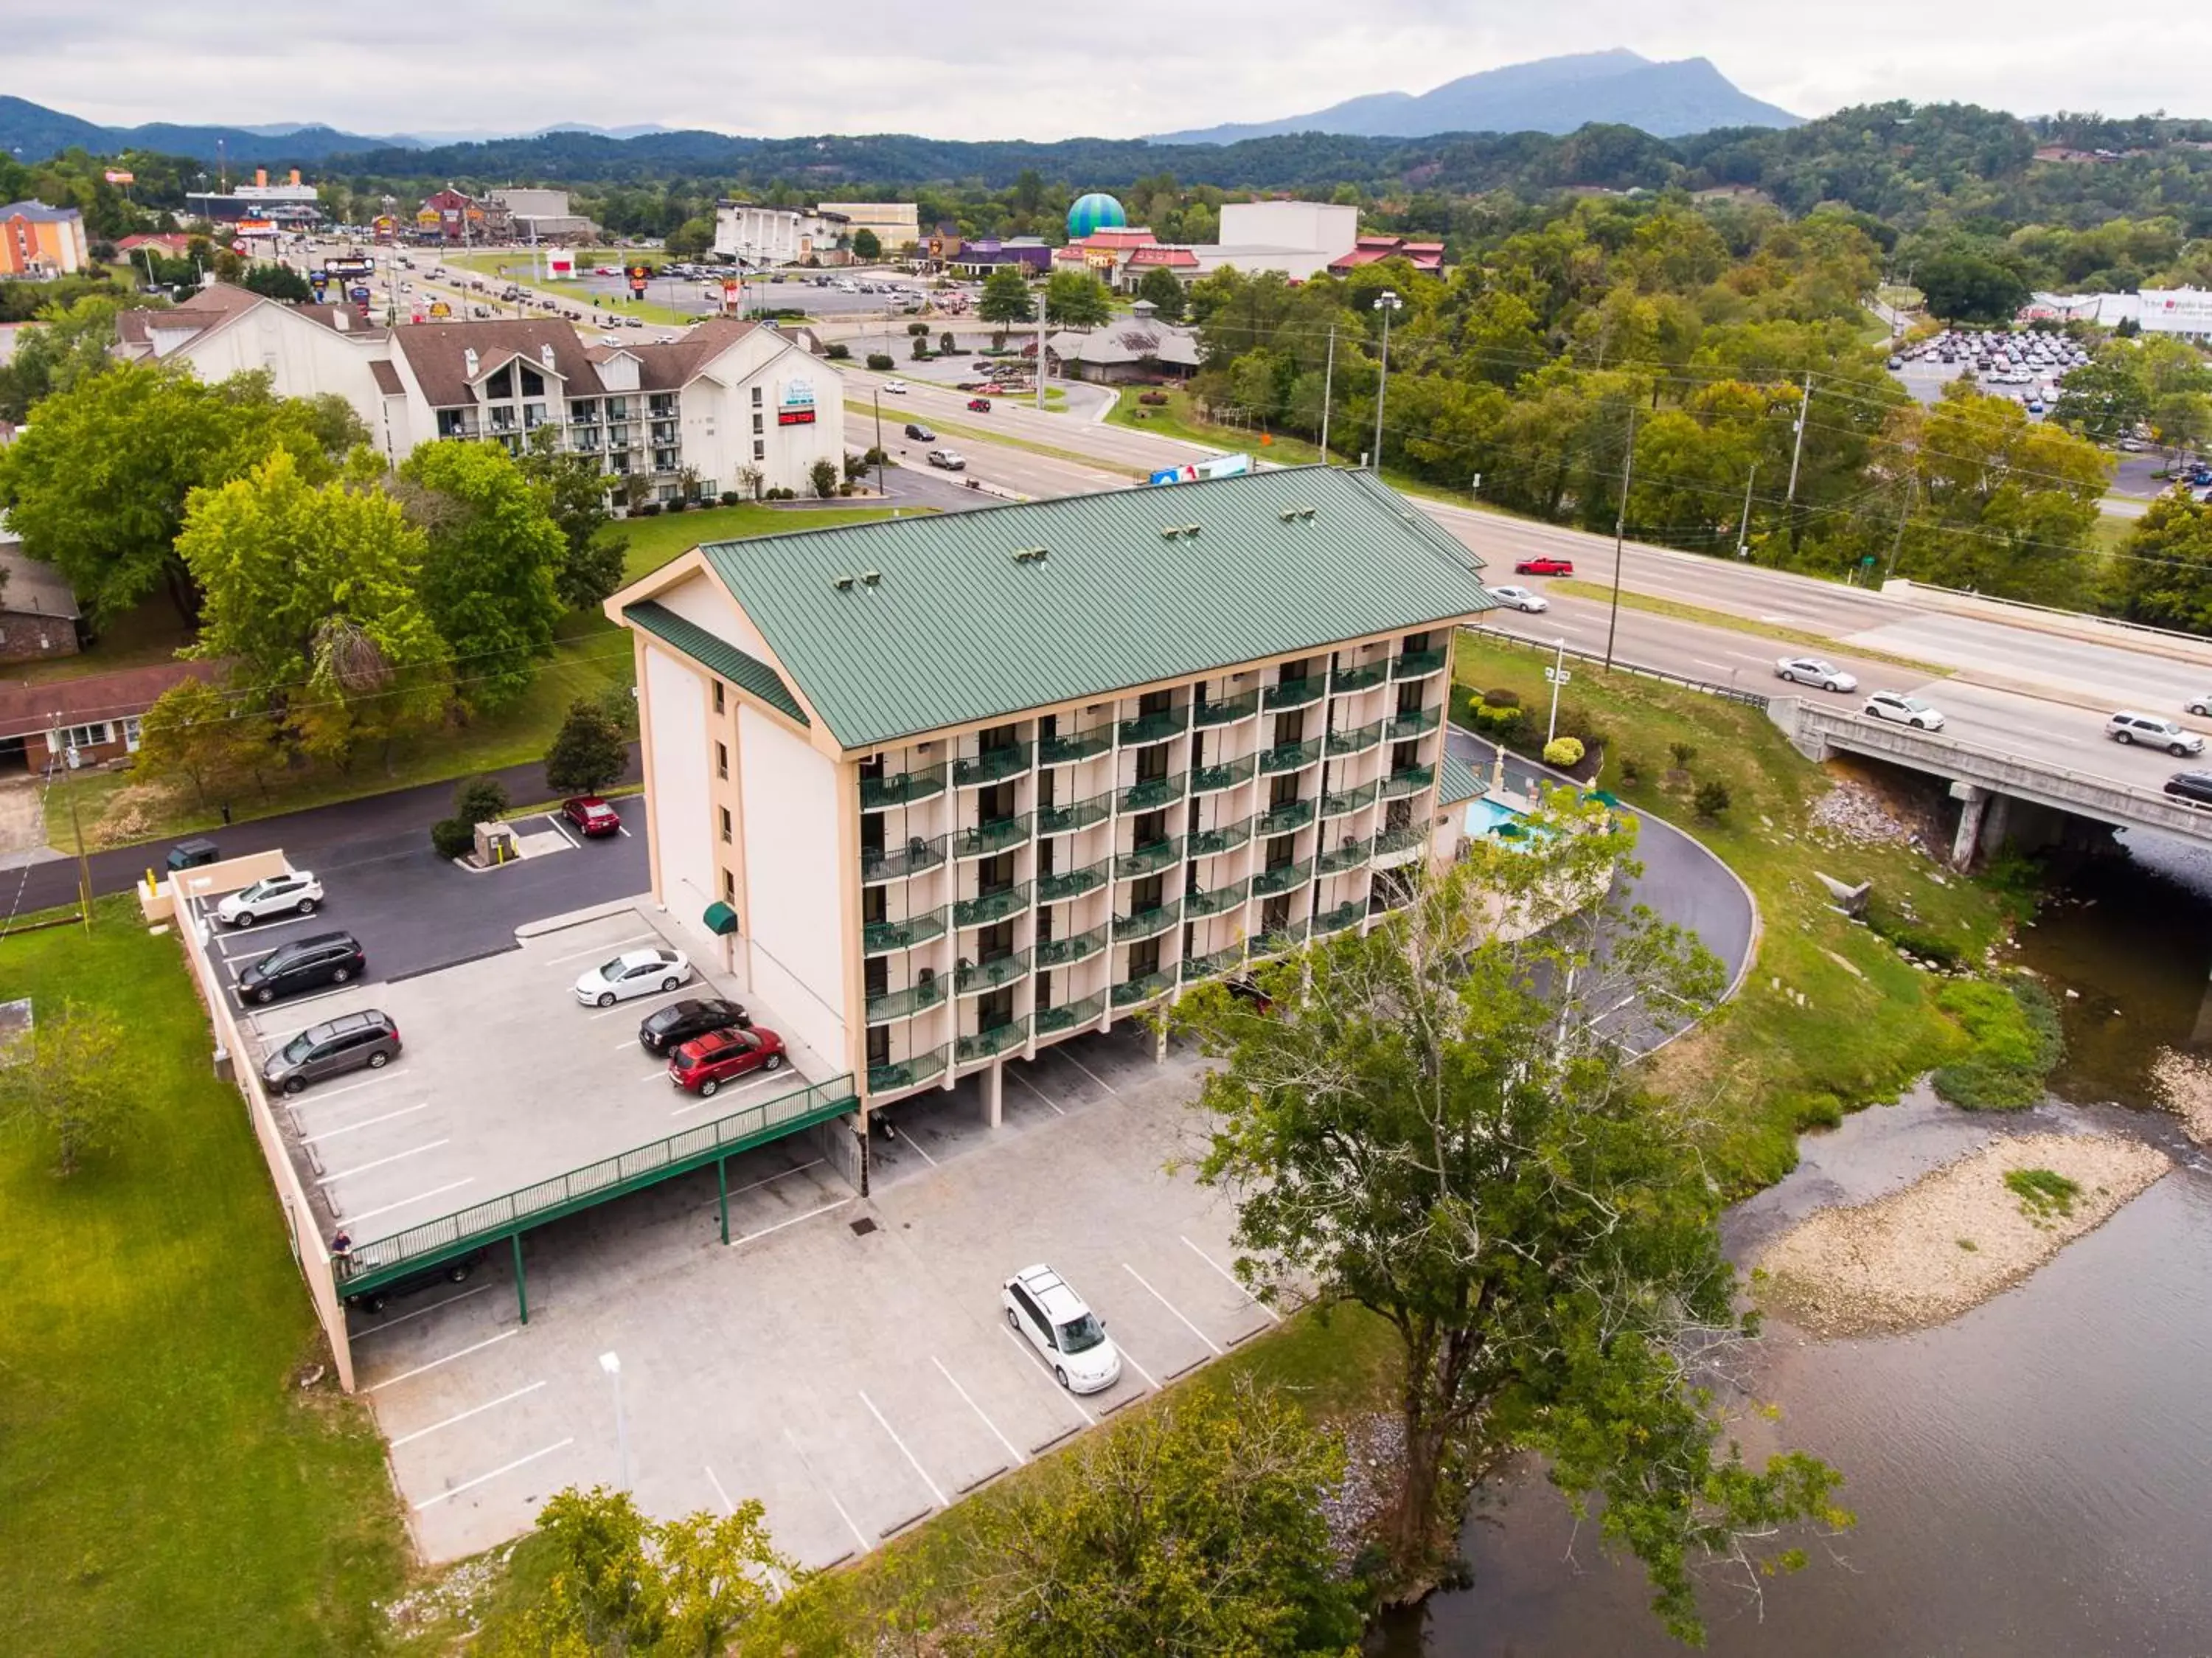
{"x": 793, "y": 880}
{"x": 303, "y": 358}
{"x": 705, "y": 602}
{"x": 683, "y": 814}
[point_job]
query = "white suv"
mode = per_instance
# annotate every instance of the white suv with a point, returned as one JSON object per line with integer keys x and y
{"x": 2125, "y": 727}
{"x": 1052, "y": 1318}
{"x": 297, "y": 890}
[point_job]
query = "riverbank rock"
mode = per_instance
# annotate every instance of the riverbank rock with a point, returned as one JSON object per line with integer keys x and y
{"x": 1856, "y": 813}
{"x": 2185, "y": 1082}
{"x": 1374, "y": 1460}
{"x": 1950, "y": 1240}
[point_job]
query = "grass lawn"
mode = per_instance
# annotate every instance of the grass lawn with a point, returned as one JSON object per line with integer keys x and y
{"x": 1765, "y": 1067}
{"x": 165, "y": 1487}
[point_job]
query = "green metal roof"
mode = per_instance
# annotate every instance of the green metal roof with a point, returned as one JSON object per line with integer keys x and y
{"x": 1456, "y": 781}
{"x": 718, "y": 655}
{"x": 951, "y": 618}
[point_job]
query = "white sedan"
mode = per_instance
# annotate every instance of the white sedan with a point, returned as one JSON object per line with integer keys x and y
{"x": 634, "y": 972}
{"x": 1906, "y": 710}
{"x": 1520, "y": 598}
{"x": 1811, "y": 670}
{"x": 894, "y": 387}
{"x": 296, "y": 890}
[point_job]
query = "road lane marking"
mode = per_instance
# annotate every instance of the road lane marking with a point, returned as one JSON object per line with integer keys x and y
{"x": 474, "y": 1410}
{"x": 420, "y": 1369}
{"x": 508, "y": 1468}
{"x": 379, "y": 1327}
{"x": 1235, "y": 1283}
{"x": 1017, "y": 1455}
{"x": 397, "y": 1156}
{"x": 366, "y": 1122}
{"x": 912, "y": 1460}
{"x": 435, "y": 1191}
{"x": 807, "y": 1463}
{"x": 1171, "y": 1307}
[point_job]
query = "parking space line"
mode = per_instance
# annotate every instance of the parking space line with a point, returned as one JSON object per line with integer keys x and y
{"x": 1123, "y": 1348}
{"x": 1062, "y": 1051}
{"x": 721, "y": 1495}
{"x": 1274, "y": 1317}
{"x": 1034, "y": 1089}
{"x": 382, "y": 1326}
{"x": 637, "y": 1002}
{"x": 508, "y": 1468}
{"x": 1074, "y": 1404}
{"x": 614, "y": 946}
{"x": 231, "y": 961}
{"x": 558, "y": 830}
{"x": 977, "y": 1409}
{"x": 794, "y": 1221}
{"x": 766, "y": 1179}
{"x": 292, "y": 1002}
{"x": 397, "y": 1156}
{"x": 908, "y": 1139}
{"x": 474, "y": 1410}
{"x": 756, "y": 1078}
{"x": 1171, "y": 1307}
{"x": 324, "y": 1096}
{"x": 807, "y": 1463}
{"x": 904, "y": 1452}
{"x": 474, "y": 1347}
{"x": 261, "y": 927}
{"x": 366, "y": 1122}
{"x": 435, "y": 1191}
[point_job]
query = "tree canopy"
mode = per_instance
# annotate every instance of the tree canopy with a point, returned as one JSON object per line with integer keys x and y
{"x": 1005, "y": 297}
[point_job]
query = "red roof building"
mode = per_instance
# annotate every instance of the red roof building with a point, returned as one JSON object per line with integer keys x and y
{"x": 1373, "y": 250}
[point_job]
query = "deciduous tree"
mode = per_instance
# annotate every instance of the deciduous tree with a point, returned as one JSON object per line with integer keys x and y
{"x": 196, "y": 733}
{"x": 67, "y": 1081}
{"x": 589, "y": 752}
{"x": 577, "y": 498}
{"x": 2164, "y": 576}
{"x": 867, "y": 246}
{"x": 1163, "y": 288}
{"x": 1005, "y": 297}
{"x": 1076, "y": 299}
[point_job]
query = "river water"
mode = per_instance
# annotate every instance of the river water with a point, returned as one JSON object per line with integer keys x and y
{"x": 2034, "y": 1478}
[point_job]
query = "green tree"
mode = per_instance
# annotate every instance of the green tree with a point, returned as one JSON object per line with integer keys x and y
{"x": 2104, "y": 400}
{"x": 1163, "y": 288}
{"x": 1960, "y": 285}
{"x": 867, "y": 248}
{"x": 589, "y": 753}
{"x": 1435, "y": 1121}
{"x": 2164, "y": 573}
{"x": 718, "y": 1573}
{"x": 1005, "y": 297}
{"x": 602, "y": 1594}
{"x": 65, "y": 345}
{"x": 194, "y": 732}
{"x": 1076, "y": 299}
{"x": 488, "y": 577}
{"x": 67, "y": 1081}
{"x": 577, "y": 498}
{"x": 823, "y": 474}
{"x": 279, "y": 282}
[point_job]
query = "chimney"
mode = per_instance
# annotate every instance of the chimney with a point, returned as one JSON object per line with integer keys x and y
{"x": 469, "y": 360}
{"x": 261, "y": 176}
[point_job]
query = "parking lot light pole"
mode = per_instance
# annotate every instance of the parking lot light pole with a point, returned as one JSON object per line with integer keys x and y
{"x": 1386, "y": 302}
{"x": 611, "y": 1363}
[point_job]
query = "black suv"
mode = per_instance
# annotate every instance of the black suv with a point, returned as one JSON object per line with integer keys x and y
{"x": 452, "y": 1272}
{"x": 305, "y": 964}
{"x": 351, "y": 1042}
{"x": 679, "y": 1021}
{"x": 919, "y": 433}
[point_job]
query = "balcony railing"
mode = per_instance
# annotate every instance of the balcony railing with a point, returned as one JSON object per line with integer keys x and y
{"x": 1150, "y": 793}
{"x": 1217, "y": 901}
{"x": 1396, "y": 846}
{"x": 1345, "y": 914}
{"x": 1415, "y": 724}
{"x": 1280, "y": 939}
{"x": 991, "y": 765}
{"x": 1290, "y": 756}
{"x": 1343, "y": 680}
{"x": 1352, "y": 854}
{"x": 917, "y": 998}
{"x": 983, "y": 840}
{"x": 971, "y": 979}
{"x": 884, "y": 937}
{"x": 1357, "y": 741}
{"x": 1196, "y": 968}
{"x": 1066, "y": 1017}
{"x": 1135, "y": 992}
{"x": 1226, "y": 838}
{"x": 1283, "y": 878}
{"x": 905, "y": 1073}
{"x": 1062, "y": 885}
{"x": 1281, "y": 819}
{"x": 1148, "y": 923}
{"x": 1294, "y": 693}
{"x": 1347, "y": 800}
{"x": 984, "y": 1044}
{"x": 1067, "y": 952}
{"x": 1407, "y": 780}
{"x": 1212, "y": 779}
{"x": 901, "y": 788}
{"x": 1417, "y": 664}
{"x": 1205, "y": 715}
{"x": 898, "y": 862}
{"x": 1155, "y": 728}
{"x": 986, "y": 908}
{"x": 1075, "y": 746}
{"x": 1076, "y": 814}
{"x": 1149, "y": 859}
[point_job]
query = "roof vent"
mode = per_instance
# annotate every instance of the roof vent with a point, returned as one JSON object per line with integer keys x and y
{"x": 872, "y": 577}
{"x": 1173, "y": 530}
{"x": 1289, "y": 513}
{"x": 1029, "y": 555}
{"x": 840, "y": 582}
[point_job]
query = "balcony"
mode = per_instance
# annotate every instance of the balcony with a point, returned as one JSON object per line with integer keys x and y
{"x": 1347, "y": 914}
{"x": 986, "y": 1045}
{"x": 896, "y": 862}
{"x": 1417, "y": 664}
{"x": 1418, "y": 724}
{"x": 1076, "y": 814}
{"x": 905, "y": 1073}
{"x": 1395, "y": 846}
{"x": 974, "y": 978}
{"x": 1219, "y": 900}
{"x": 1135, "y": 992}
{"x": 991, "y": 765}
{"x": 1290, "y": 756}
{"x": 1283, "y": 878}
{"x": 1281, "y": 939}
{"x": 1147, "y": 924}
{"x": 917, "y": 998}
{"x": 1206, "y": 716}
{"x": 1050, "y": 1021}
{"x": 1213, "y": 779}
{"x": 1293, "y": 694}
{"x": 1196, "y": 968}
{"x": 1356, "y": 741}
{"x": 1347, "y": 801}
{"x": 1208, "y": 842}
{"x": 986, "y": 908}
{"x": 1407, "y": 780}
{"x": 1149, "y": 859}
{"x": 1150, "y": 793}
{"x": 1281, "y": 819}
{"x": 1067, "y": 952}
{"x": 886, "y": 937}
{"x": 1057, "y": 888}
{"x": 901, "y": 788}
{"x": 1147, "y": 729}
{"x": 1076, "y": 746}
{"x": 1345, "y": 681}
{"x": 983, "y": 840}
{"x": 1353, "y": 853}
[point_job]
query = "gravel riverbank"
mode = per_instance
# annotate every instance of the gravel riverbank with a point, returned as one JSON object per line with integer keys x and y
{"x": 2185, "y": 1082}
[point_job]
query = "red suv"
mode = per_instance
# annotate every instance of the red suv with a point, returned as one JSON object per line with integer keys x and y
{"x": 591, "y": 815}
{"x": 980, "y": 405}
{"x": 702, "y": 1066}
{"x": 1546, "y": 566}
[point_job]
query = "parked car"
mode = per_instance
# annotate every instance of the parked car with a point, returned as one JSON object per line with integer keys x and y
{"x": 1813, "y": 670}
{"x": 1545, "y": 566}
{"x": 701, "y": 1066}
{"x": 634, "y": 972}
{"x": 980, "y": 405}
{"x": 591, "y": 815}
{"x": 919, "y": 433}
{"x": 2195, "y": 787}
{"x": 894, "y": 387}
{"x": 2124, "y": 728}
{"x": 456, "y": 1270}
{"x": 1906, "y": 710}
{"x": 305, "y": 964}
{"x": 353, "y": 1041}
{"x": 1520, "y": 598}
{"x": 1045, "y": 1312}
{"x": 192, "y": 854}
{"x": 949, "y": 460}
{"x": 679, "y": 1021}
{"x": 296, "y": 890}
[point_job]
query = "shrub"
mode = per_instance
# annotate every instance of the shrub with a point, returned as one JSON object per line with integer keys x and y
{"x": 1502, "y": 696}
{"x": 2042, "y": 1192}
{"x": 1632, "y": 768}
{"x": 839, "y": 351}
{"x": 1682, "y": 754}
{"x": 855, "y": 464}
{"x": 732, "y": 498}
{"x": 823, "y": 475}
{"x": 451, "y": 837}
{"x": 881, "y": 362}
{"x": 650, "y": 510}
{"x": 921, "y": 347}
{"x": 1578, "y": 718}
{"x": 946, "y": 345}
{"x": 479, "y": 800}
{"x": 679, "y": 504}
{"x": 1564, "y": 751}
{"x": 917, "y": 329}
{"x": 2015, "y": 1041}
{"x": 1812, "y": 1111}
{"x": 1153, "y": 399}
{"x": 1711, "y": 798}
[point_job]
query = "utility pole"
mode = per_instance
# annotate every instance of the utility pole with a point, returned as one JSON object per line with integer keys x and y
{"x": 1040, "y": 372}
{"x": 1386, "y": 301}
{"x": 1904, "y": 512}
{"x": 1797, "y": 448}
{"x": 879, "y": 441}
{"x": 1558, "y": 676}
{"x": 1328, "y": 382}
{"x": 1620, "y": 532}
{"x": 1743, "y": 524}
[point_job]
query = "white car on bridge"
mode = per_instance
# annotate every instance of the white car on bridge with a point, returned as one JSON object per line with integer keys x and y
{"x": 1906, "y": 710}
{"x": 1515, "y": 598}
{"x": 1813, "y": 670}
{"x": 2124, "y": 728}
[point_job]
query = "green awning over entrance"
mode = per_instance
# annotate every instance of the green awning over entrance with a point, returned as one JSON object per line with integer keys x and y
{"x": 721, "y": 919}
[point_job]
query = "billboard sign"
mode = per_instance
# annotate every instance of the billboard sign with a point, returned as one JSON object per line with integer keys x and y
{"x": 117, "y": 175}
{"x": 796, "y": 407}
{"x": 350, "y": 265}
{"x": 559, "y": 264}
{"x": 638, "y": 275}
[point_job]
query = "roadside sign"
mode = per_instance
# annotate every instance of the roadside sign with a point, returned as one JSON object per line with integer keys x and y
{"x": 1558, "y": 676}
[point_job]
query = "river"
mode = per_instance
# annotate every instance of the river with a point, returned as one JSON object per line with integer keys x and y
{"x": 2034, "y": 1478}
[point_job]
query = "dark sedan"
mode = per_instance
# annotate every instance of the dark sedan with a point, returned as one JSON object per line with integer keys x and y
{"x": 305, "y": 964}
{"x": 694, "y": 1016}
{"x": 2194, "y": 787}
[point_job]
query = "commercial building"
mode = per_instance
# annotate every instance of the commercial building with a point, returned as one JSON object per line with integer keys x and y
{"x": 454, "y": 216}
{"x": 38, "y": 240}
{"x": 1137, "y": 347}
{"x": 1373, "y": 250}
{"x": 543, "y": 215}
{"x": 2186, "y": 311}
{"x": 291, "y": 202}
{"x": 1297, "y": 239}
{"x": 951, "y": 790}
{"x": 897, "y": 224}
{"x": 981, "y": 255}
{"x": 749, "y": 233}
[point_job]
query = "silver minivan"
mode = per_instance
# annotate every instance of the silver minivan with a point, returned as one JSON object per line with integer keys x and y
{"x": 353, "y": 1041}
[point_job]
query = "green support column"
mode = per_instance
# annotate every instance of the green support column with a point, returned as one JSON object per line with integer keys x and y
{"x": 722, "y": 1187}
{"x": 522, "y": 1287}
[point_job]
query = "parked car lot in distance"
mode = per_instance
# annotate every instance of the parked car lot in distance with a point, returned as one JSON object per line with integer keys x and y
{"x": 303, "y": 964}
{"x": 680, "y": 1022}
{"x": 296, "y": 891}
{"x": 591, "y": 815}
{"x": 353, "y": 1041}
{"x": 701, "y": 1066}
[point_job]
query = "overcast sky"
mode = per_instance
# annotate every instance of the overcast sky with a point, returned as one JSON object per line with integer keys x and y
{"x": 989, "y": 68}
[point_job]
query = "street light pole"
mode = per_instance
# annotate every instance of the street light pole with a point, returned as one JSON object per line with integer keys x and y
{"x": 611, "y": 1363}
{"x": 1327, "y": 384}
{"x": 1620, "y": 534}
{"x": 1386, "y": 301}
{"x": 1556, "y": 676}
{"x": 879, "y": 441}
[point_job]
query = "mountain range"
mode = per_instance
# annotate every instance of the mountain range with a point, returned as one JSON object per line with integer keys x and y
{"x": 1552, "y": 95}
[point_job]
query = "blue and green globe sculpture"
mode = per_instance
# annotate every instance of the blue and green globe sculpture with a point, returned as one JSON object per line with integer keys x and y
{"x": 1096, "y": 211}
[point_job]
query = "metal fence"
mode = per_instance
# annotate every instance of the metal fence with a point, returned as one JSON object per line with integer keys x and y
{"x": 1706, "y": 688}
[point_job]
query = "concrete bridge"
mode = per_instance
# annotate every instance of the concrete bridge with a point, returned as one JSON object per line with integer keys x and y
{"x": 2005, "y": 797}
